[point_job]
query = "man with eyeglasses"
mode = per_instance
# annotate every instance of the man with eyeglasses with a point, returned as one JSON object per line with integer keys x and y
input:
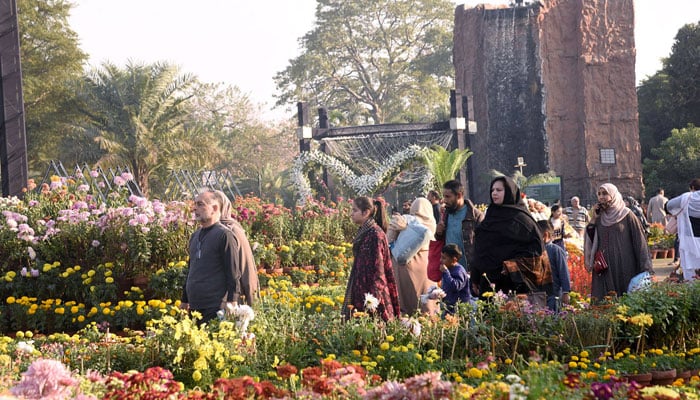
{"x": 213, "y": 275}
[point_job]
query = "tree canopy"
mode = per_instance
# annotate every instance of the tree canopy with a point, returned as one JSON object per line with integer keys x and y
{"x": 677, "y": 161}
{"x": 671, "y": 98}
{"x": 136, "y": 115}
{"x": 374, "y": 61}
{"x": 51, "y": 60}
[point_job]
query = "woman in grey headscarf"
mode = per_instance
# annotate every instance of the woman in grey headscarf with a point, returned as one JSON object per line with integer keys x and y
{"x": 618, "y": 233}
{"x": 412, "y": 277}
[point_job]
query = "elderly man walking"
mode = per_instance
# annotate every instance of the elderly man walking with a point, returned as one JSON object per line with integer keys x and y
{"x": 577, "y": 215}
{"x": 655, "y": 210}
{"x": 213, "y": 275}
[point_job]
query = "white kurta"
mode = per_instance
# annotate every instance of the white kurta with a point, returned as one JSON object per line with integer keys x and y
{"x": 685, "y": 206}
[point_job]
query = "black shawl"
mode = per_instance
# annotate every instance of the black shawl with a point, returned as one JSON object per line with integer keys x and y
{"x": 508, "y": 231}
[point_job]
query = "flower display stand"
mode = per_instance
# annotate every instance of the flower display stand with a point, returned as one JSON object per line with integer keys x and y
{"x": 663, "y": 377}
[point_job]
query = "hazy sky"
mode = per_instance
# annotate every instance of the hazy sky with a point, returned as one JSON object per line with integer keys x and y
{"x": 244, "y": 43}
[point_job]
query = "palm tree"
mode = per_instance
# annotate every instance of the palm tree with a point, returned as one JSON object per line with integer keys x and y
{"x": 444, "y": 165}
{"x": 524, "y": 181}
{"x": 135, "y": 114}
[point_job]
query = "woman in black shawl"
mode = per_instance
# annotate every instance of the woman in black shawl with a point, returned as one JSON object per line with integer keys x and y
{"x": 509, "y": 245}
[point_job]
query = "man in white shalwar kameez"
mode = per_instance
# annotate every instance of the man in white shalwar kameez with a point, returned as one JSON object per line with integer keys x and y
{"x": 686, "y": 208}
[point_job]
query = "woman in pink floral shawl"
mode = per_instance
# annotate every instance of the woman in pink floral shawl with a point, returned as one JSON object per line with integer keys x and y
{"x": 371, "y": 285}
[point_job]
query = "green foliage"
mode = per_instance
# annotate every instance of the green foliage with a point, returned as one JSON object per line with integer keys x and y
{"x": 236, "y": 140}
{"x": 374, "y": 61}
{"x": 51, "y": 61}
{"x": 670, "y": 98}
{"x": 676, "y": 162}
{"x": 684, "y": 74}
{"x": 136, "y": 115}
{"x": 673, "y": 308}
{"x": 445, "y": 165}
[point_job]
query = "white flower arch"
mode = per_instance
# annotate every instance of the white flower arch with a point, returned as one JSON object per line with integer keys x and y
{"x": 362, "y": 185}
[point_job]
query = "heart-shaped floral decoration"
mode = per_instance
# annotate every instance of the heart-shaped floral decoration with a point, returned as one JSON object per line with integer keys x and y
{"x": 362, "y": 185}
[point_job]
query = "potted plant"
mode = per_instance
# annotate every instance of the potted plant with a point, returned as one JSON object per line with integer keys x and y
{"x": 664, "y": 366}
{"x": 631, "y": 366}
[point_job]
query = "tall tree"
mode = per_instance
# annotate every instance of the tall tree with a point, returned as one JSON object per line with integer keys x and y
{"x": 253, "y": 150}
{"x": 51, "y": 59}
{"x": 136, "y": 115}
{"x": 376, "y": 60}
{"x": 683, "y": 68}
{"x": 671, "y": 97}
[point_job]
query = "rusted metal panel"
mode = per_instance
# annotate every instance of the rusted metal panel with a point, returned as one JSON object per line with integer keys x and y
{"x": 13, "y": 142}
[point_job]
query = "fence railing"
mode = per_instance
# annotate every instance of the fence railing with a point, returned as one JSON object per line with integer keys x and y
{"x": 180, "y": 185}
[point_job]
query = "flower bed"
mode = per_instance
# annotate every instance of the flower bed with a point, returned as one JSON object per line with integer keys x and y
{"x": 297, "y": 345}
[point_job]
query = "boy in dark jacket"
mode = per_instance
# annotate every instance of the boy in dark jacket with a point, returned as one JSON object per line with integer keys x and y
{"x": 455, "y": 279}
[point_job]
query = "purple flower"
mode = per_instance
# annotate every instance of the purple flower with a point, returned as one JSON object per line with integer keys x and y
{"x": 142, "y": 219}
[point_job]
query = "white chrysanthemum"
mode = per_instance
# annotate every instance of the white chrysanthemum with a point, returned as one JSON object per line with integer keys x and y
{"x": 371, "y": 302}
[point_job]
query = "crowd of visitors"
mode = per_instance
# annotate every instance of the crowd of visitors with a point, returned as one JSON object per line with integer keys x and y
{"x": 517, "y": 246}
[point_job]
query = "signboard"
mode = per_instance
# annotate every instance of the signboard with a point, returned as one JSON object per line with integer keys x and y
{"x": 545, "y": 192}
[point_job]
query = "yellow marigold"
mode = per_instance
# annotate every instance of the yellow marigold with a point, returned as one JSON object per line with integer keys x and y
{"x": 475, "y": 373}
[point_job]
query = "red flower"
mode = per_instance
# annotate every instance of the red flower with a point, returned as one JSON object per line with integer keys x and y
{"x": 286, "y": 370}
{"x": 323, "y": 386}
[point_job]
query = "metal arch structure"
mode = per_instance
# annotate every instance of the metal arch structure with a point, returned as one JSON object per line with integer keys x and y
{"x": 13, "y": 140}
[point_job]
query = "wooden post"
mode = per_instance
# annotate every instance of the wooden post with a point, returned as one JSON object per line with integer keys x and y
{"x": 458, "y": 125}
{"x": 304, "y": 126}
{"x": 323, "y": 125}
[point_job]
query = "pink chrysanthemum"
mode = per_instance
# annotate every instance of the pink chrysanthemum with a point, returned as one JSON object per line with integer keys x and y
{"x": 46, "y": 379}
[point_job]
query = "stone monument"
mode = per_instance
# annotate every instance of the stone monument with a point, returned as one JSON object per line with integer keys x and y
{"x": 552, "y": 82}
